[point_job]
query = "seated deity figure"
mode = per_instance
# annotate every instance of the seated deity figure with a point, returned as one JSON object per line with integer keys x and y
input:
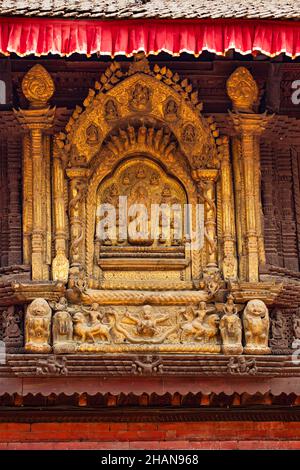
{"x": 37, "y": 327}
{"x": 256, "y": 326}
{"x": 231, "y": 328}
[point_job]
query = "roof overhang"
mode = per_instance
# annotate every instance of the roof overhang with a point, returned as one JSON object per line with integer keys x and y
{"x": 27, "y": 36}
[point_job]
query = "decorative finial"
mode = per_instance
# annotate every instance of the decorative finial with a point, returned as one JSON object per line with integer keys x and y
{"x": 38, "y": 86}
{"x": 242, "y": 89}
{"x": 140, "y": 64}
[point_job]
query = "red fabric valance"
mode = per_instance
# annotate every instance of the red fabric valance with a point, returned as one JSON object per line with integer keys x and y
{"x": 37, "y": 36}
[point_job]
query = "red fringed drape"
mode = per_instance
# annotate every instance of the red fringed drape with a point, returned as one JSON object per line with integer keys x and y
{"x": 37, "y": 36}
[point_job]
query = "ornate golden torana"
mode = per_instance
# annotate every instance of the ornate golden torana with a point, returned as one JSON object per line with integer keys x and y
{"x": 141, "y": 135}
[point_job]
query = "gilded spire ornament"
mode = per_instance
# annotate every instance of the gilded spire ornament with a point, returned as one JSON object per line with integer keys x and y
{"x": 242, "y": 90}
{"x": 38, "y": 86}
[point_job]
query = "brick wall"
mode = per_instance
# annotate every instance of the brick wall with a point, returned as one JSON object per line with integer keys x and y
{"x": 183, "y": 435}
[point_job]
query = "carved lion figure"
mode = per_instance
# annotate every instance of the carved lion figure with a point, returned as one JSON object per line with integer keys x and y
{"x": 37, "y": 326}
{"x": 256, "y": 325}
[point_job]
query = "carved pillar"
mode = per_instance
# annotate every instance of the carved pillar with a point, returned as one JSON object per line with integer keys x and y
{"x": 38, "y": 88}
{"x": 27, "y": 199}
{"x": 229, "y": 255}
{"x": 243, "y": 91}
{"x": 14, "y": 207}
{"x": 206, "y": 180}
{"x": 77, "y": 191}
{"x": 60, "y": 264}
{"x": 250, "y": 126}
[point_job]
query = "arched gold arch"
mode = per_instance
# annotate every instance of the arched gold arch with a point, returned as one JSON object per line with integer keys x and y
{"x": 141, "y": 111}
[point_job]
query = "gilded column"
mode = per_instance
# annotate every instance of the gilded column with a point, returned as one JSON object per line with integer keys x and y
{"x": 206, "y": 180}
{"x": 243, "y": 91}
{"x": 38, "y": 88}
{"x": 228, "y": 223}
{"x": 77, "y": 192}
{"x": 60, "y": 264}
{"x": 27, "y": 199}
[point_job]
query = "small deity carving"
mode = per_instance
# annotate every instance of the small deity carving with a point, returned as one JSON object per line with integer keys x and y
{"x": 189, "y": 134}
{"x": 278, "y": 342}
{"x": 93, "y": 330}
{"x": 148, "y": 366}
{"x": 126, "y": 180}
{"x": 211, "y": 282}
{"x": 140, "y": 96}
{"x": 154, "y": 179}
{"x": 231, "y": 328}
{"x": 111, "y": 111}
{"x": 145, "y": 326}
{"x": 241, "y": 366}
{"x": 242, "y": 90}
{"x": 171, "y": 110}
{"x": 140, "y": 173}
{"x": 92, "y": 135}
{"x": 200, "y": 325}
{"x": 296, "y": 325}
{"x": 140, "y": 64}
{"x": 52, "y": 366}
{"x": 37, "y": 326}
{"x": 11, "y": 325}
{"x": 62, "y": 327}
{"x": 256, "y": 326}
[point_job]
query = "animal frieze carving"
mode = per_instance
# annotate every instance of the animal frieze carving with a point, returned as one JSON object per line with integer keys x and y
{"x": 256, "y": 326}
{"x": 207, "y": 328}
{"x": 201, "y": 326}
{"x": 89, "y": 325}
{"x": 52, "y": 366}
{"x": 241, "y": 366}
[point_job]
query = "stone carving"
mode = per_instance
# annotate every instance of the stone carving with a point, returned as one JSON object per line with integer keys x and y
{"x": 147, "y": 366}
{"x": 241, "y": 366}
{"x": 37, "y": 327}
{"x": 92, "y": 135}
{"x": 62, "y": 327}
{"x": 242, "y": 90}
{"x": 231, "y": 328}
{"x": 279, "y": 341}
{"x": 139, "y": 97}
{"x": 52, "y": 366}
{"x": 256, "y": 325}
{"x": 189, "y": 134}
{"x": 38, "y": 86}
{"x": 201, "y": 326}
{"x": 111, "y": 110}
